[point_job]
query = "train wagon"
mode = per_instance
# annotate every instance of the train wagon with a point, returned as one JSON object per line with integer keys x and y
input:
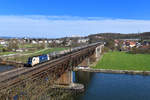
{"x": 43, "y": 58}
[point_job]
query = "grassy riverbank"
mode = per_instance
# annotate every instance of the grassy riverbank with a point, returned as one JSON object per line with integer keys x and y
{"x": 124, "y": 61}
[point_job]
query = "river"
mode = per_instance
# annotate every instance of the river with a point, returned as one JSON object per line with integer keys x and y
{"x": 5, "y": 68}
{"x": 99, "y": 86}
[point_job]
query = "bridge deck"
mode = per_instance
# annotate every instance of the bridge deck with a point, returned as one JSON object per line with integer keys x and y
{"x": 11, "y": 77}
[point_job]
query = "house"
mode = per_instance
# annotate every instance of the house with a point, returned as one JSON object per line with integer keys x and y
{"x": 138, "y": 44}
{"x": 19, "y": 50}
{"x": 146, "y": 43}
{"x": 41, "y": 41}
{"x": 45, "y": 41}
{"x": 58, "y": 41}
{"x": 98, "y": 37}
{"x": 34, "y": 42}
{"x": 69, "y": 42}
{"x": 116, "y": 42}
{"x": 50, "y": 41}
{"x": 132, "y": 44}
{"x": 3, "y": 42}
{"x": 83, "y": 40}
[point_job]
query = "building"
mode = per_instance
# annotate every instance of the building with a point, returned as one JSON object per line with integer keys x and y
{"x": 3, "y": 42}
{"x": 34, "y": 42}
{"x": 132, "y": 44}
{"x": 83, "y": 40}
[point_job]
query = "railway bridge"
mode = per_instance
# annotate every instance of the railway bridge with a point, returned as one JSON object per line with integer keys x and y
{"x": 58, "y": 71}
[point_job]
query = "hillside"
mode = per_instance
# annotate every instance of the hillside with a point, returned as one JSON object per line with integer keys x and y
{"x": 145, "y": 35}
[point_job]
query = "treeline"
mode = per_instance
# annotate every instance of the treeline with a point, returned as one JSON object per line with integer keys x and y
{"x": 145, "y": 35}
{"x": 140, "y": 51}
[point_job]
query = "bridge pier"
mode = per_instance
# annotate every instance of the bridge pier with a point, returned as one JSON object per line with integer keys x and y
{"x": 86, "y": 62}
{"x": 65, "y": 79}
{"x": 94, "y": 57}
{"x": 66, "y": 83}
{"x": 98, "y": 52}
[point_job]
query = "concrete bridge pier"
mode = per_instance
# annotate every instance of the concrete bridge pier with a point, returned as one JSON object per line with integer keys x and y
{"x": 65, "y": 79}
{"x": 86, "y": 62}
{"x": 94, "y": 57}
{"x": 98, "y": 52}
{"x": 65, "y": 83}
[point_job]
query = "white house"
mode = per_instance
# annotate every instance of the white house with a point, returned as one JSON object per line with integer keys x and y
{"x": 50, "y": 41}
{"x": 84, "y": 40}
{"x": 58, "y": 41}
{"x": 69, "y": 43}
{"x": 34, "y": 42}
{"x": 41, "y": 41}
{"x": 3, "y": 42}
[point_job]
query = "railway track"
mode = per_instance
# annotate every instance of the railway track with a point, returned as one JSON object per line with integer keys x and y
{"x": 11, "y": 77}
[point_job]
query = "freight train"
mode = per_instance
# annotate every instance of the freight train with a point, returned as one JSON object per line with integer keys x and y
{"x": 32, "y": 61}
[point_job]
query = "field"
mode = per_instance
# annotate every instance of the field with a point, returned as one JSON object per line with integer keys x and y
{"x": 124, "y": 61}
{"x": 46, "y": 51}
{"x": 7, "y": 53}
{"x": 24, "y": 57}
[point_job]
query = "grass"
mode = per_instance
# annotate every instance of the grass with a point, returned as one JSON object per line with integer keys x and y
{"x": 7, "y": 53}
{"x": 28, "y": 45}
{"x": 24, "y": 58}
{"x": 124, "y": 61}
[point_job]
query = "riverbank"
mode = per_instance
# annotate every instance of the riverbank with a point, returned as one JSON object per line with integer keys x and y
{"x": 124, "y": 61}
{"x": 111, "y": 71}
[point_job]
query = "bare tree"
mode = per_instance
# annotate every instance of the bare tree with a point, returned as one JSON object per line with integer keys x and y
{"x": 13, "y": 45}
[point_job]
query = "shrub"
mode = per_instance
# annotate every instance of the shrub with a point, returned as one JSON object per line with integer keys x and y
{"x": 140, "y": 51}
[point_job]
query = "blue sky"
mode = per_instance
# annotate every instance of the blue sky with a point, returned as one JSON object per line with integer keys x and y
{"x": 58, "y": 18}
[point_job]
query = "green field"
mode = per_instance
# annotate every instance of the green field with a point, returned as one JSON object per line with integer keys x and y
{"x": 124, "y": 61}
{"x": 7, "y": 53}
{"x": 28, "y": 45}
{"x": 24, "y": 58}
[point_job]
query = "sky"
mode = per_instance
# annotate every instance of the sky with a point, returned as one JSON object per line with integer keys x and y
{"x": 61, "y": 18}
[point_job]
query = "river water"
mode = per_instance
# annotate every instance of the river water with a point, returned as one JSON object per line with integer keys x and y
{"x": 99, "y": 86}
{"x": 5, "y": 68}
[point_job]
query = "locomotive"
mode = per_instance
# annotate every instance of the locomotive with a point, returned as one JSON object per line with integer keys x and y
{"x": 37, "y": 59}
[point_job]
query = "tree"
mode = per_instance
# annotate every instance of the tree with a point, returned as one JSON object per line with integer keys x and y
{"x": 110, "y": 44}
{"x": 13, "y": 45}
{"x": 64, "y": 43}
